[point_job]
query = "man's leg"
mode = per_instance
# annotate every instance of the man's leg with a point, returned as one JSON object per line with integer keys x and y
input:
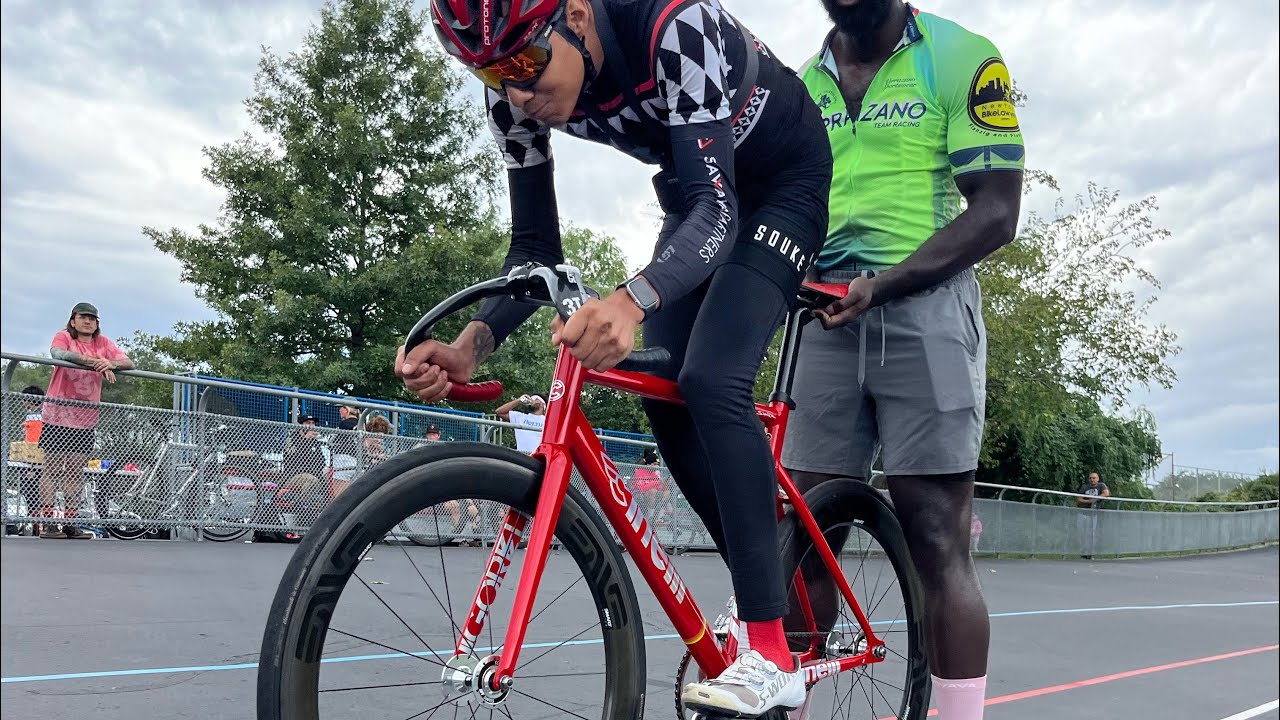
{"x": 51, "y": 474}
{"x": 934, "y": 512}
{"x": 930, "y": 398}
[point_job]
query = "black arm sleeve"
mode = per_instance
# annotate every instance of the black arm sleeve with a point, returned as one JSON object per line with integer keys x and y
{"x": 702, "y": 157}
{"x": 535, "y": 237}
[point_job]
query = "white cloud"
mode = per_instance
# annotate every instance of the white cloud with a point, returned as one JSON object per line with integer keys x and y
{"x": 107, "y": 107}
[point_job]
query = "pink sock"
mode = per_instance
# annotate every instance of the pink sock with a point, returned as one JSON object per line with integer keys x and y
{"x": 768, "y": 639}
{"x": 959, "y": 699}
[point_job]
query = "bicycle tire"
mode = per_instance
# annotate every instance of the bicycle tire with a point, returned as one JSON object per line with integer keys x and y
{"x": 840, "y": 502}
{"x": 124, "y": 532}
{"x": 216, "y": 534}
{"x": 317, "y": 573}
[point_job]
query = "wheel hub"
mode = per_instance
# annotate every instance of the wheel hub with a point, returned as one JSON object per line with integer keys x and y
{"x": 469, "y": 675}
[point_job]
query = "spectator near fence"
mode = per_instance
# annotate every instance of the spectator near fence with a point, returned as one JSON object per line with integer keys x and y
{"x": 67, "y": 432}
{"x": 344, "y": 443}
{"x": 528, "y": 411}
{"x": 303, "y": 454}
{"x": 1087, "y": 522}
{"x": 375, "y": 446}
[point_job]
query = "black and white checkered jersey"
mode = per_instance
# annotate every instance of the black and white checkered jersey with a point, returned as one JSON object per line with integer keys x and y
{"x": 686, "y": 56}
{"x": 691, "y": 115}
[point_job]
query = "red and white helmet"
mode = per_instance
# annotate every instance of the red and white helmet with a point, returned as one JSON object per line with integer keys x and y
{"x": 480, "y": 32}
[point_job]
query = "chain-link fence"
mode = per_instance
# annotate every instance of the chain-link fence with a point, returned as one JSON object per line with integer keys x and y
{"x": 131, "y": 472}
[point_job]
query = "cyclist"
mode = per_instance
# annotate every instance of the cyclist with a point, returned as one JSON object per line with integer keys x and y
{"x": 920, "y": 119}
{"x": 745, "y": 171}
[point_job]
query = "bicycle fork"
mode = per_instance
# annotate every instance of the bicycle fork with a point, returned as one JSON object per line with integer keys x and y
{"x": 491, "y": 677}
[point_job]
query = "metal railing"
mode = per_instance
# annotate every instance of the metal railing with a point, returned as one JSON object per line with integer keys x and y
{"x": 200, "y": 474}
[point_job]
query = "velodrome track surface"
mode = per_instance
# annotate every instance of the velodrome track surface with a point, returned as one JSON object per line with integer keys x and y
{"x": 107, "y": 629}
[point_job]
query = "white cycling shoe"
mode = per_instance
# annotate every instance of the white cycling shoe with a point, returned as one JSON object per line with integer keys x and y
{"x": 748, "y": 688}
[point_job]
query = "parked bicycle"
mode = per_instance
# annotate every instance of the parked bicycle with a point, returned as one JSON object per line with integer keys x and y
{"x": 184, "y": 480}
{"x": 394, "y": 650}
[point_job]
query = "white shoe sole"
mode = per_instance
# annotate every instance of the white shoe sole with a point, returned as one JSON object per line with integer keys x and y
{"x": 723, "y": 705}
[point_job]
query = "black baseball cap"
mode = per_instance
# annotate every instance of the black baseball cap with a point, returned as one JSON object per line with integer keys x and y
{"x": 84, "y": 308}
{"x": 306, "y": 419}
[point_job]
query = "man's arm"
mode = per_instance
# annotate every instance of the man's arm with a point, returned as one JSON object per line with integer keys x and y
{"x": 58, "y": 353}
{"x": 989, "y": 223}
{"x": 504, "y": 410}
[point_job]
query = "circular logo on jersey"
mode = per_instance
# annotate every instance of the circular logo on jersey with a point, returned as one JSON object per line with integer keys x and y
{"x": 990, "y": 106}
{"x": 557, "y": 391}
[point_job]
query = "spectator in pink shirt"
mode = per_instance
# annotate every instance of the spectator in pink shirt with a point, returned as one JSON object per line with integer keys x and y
{"x": 67, "y": 436}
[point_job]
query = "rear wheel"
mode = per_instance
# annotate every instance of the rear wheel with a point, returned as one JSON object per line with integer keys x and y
{"x": 364, "y": 630}
{"x": 864, "y": 533}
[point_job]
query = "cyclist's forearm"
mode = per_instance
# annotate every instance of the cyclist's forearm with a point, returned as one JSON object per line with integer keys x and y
{"x": 535, "y": 237}
{"x": 477, "y": 338}
{"x": 65, "y": 355}
{"x": 988, "y": 224}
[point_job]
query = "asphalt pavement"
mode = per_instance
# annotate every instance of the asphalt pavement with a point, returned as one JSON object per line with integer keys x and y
{"x": 110, "y": 629}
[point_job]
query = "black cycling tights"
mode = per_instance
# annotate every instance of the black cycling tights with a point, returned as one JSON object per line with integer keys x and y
{"x": 715, "y": 446}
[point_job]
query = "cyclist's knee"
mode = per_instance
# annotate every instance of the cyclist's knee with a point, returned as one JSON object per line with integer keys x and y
{"x": 710, "y": 389}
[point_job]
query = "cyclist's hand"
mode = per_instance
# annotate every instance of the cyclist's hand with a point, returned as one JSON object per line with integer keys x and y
{"x": 432, "y": 368}
{"x": 602, "y": 333}
{"x": 850, "y": 307}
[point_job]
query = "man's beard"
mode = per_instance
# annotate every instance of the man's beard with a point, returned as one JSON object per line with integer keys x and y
{"x": 861, "y": 22}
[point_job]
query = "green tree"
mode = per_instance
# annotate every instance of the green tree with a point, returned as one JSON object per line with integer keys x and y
{"x": 362, "y": 198}
{"x": 1069, "y": 335}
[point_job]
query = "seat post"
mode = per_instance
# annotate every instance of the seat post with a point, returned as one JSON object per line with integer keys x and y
{"x": 797, "y": 318}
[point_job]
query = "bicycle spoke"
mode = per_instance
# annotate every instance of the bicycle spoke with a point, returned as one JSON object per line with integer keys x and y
{"x": 431, "y": 590}
{"x": 424, "y": 658}
{"x": 876, "y": 584}
{"x": 535, "y": 615}
{"x": 396, "y": 614}
{"x": 881, "y": 599}
{"x": 377, "y": 687}
{"x": 444, "y": 572}
{"x": 561, "y": 644}
{"x": 876, "y": 686}
{"x": 433, "y": 710}
{"x": 550, "y": 705}
{"x": 870, "y": 703}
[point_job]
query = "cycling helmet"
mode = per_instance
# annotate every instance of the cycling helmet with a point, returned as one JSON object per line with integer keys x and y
{"x": 481, "y": 32}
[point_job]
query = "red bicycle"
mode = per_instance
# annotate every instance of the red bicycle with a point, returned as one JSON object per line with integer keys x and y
{"x": 397, "y": 648}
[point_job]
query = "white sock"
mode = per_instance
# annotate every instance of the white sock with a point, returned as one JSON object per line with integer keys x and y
{"x": 959, "y": 699}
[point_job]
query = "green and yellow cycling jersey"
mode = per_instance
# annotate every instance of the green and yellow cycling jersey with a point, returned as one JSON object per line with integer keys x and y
{"x": 939, "y": 108}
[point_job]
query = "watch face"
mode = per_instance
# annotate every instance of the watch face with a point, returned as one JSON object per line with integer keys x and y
{"x": 644, "y": 295}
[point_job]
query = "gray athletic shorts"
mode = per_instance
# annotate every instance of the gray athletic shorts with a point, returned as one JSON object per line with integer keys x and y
{"x": 922, "y": 394}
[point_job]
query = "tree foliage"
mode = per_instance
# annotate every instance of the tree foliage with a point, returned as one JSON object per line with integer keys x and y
{"x": 1066, "y": 307}
{"x": 360, "y": 200}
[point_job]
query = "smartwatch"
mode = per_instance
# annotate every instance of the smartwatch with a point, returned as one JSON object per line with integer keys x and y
{"x": 642, "y": 294}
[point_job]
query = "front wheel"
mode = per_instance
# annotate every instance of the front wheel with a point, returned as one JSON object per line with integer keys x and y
{"x": 863, "y": 532}
{"x": 364, "y": 630}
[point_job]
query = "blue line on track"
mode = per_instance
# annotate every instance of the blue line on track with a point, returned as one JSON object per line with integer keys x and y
{"x": 387, "y": 656}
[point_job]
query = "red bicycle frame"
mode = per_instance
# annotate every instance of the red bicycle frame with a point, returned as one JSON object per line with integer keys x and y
{"x": 568, "y": 441}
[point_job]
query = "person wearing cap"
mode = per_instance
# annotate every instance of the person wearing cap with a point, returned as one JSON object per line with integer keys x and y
{"x": 432, "y": 434}
{"x": 303, "y": 454}
{"x": 68, "y": 427}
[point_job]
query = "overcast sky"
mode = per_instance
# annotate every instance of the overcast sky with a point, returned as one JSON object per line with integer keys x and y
{"x": 106, "y": 107}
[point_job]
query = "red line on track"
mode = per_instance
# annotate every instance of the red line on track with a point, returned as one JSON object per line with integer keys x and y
{"x": 1028, "y": 694}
